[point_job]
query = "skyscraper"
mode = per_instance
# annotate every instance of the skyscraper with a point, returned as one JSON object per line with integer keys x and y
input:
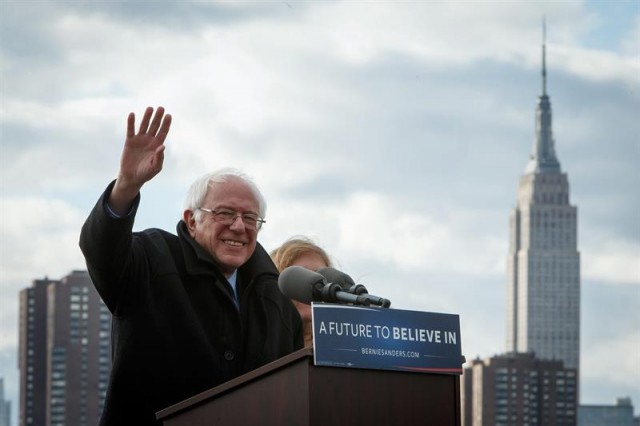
{"x": 32, "y": 353}
{"x": 64, "y": 352}
{"x": 543, "y": 283}
{"x": 536, "y": 381}
{"x": 5, "y": 407}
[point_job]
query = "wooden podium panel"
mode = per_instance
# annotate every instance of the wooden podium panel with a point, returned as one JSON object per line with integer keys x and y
{"x": 292, "y": 391}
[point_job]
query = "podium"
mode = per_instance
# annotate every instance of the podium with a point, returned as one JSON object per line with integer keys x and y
{"x": 293, "y": 391}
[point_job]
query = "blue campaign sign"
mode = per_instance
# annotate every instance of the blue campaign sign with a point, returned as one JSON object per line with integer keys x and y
{"x": 386, "y": 339}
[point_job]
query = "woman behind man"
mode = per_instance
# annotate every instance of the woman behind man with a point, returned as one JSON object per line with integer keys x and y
{"x": 301, "y": 251}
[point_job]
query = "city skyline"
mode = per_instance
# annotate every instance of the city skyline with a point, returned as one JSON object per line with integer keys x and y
{"x": 394, "y": 134}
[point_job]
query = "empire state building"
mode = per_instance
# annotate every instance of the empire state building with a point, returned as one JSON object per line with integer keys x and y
{"x": 543, "y": 267}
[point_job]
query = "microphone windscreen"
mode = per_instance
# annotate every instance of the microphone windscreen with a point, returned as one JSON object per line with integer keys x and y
{"x": 297, "y": 282}
{"x": 332, "y": 275}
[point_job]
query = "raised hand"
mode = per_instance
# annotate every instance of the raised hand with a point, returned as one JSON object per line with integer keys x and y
{"x": 142, "y": 157}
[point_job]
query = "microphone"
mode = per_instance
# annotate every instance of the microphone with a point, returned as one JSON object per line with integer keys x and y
{"x": 332, "y": 275}
{"x": 346, "y": 282}
{"x": 299, "y": 283}
{"x": 306, "y": 286}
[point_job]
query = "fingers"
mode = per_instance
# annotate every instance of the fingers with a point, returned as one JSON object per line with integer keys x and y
{"x": 155, "y": 124}
{"x": 144, "y": 124}
{"x": 160, "y": 121}
{"x": 131, "y": 124}
{"x": 164, "y": 129}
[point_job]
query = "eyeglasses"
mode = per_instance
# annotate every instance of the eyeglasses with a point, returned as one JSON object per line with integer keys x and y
{"x": 228, "y": 217}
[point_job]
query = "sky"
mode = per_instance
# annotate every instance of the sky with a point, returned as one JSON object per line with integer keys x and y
{"x": 394, "y": 134}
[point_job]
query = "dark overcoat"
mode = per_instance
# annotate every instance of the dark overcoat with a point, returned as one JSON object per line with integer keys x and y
{"x": 176, "y": 330}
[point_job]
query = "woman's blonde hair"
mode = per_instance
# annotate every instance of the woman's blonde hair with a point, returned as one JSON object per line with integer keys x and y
{"x": 285, "y": 255}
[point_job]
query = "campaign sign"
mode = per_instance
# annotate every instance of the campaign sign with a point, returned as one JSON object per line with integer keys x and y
{"x": 386, "y": 339}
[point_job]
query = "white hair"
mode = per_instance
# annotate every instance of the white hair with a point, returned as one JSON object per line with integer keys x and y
{"x": 200, "y": 187}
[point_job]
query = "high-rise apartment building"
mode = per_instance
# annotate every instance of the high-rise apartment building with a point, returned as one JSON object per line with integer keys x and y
{"x": 64, "y": 352}
{"x": 32, "y": 353}
{"x": 5, "y": 407}
{"x": 518, "y": 389}
{"x": 543, "y": 283}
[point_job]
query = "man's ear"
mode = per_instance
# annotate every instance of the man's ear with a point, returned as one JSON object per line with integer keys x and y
{"x": 189, "y": 218}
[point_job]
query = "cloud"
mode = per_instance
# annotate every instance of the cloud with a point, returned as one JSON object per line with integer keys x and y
{"x": 394, "y": 133}
{"x": 629, "y": 44}
{"x": 615, "y": 262}
{"x": 383, "y": 230}
{"x": 597, "y": 65}
{"x": 39, "y": 237}
{"x": 596, "y": 364}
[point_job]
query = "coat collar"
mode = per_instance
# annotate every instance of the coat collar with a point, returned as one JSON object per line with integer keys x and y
{"x": 199, "y": 261}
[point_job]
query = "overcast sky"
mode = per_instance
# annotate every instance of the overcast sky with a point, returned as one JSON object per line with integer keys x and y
{"x": 392, "y": 133}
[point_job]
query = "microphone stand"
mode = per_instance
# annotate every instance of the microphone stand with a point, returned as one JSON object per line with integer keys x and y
{"x": 333, "y": 292}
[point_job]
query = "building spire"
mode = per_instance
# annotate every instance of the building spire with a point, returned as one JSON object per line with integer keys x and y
{"x": 543, "y": 158}
{"x": 544, "y": 56}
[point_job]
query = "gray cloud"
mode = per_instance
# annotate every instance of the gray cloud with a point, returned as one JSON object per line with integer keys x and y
{"x": 395, "y": 134}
